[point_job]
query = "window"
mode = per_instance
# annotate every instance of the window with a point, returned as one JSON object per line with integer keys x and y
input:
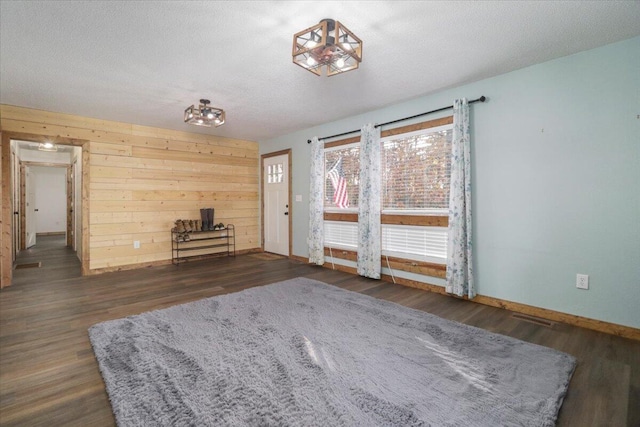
{"x": 275, "y": 173}
{"x": 342, "y": 172}
{"x": 416, "y": 170}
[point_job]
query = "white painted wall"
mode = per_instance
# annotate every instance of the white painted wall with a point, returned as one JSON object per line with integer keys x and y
{"x": 556, "y": 180}
{"x": 51, "y": 199}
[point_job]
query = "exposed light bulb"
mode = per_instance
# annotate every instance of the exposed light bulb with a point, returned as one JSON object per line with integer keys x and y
{"x": 209, "y": 115}
{"x": 311, "y": 62}
{"x": 48, "y": 145}
{"x": 190, "y": 115}
{"x": 199, "y": 120}
{"x": 340, "y": 63}
{"x": 346, "y": 46}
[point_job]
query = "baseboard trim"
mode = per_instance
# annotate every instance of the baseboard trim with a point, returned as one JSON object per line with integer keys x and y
{"x": 544, "y": 313}
{"x": 96, "y": 271}
{"x": 557, "y": 316}
{"x": 128, "y": 267}
{"x": 52, "y": 233}
{"x": 299, "y": 259}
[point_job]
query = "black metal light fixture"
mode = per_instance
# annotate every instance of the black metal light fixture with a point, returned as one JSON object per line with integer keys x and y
{"x": 204, "y": 115}
{"x": 328, "y": 44}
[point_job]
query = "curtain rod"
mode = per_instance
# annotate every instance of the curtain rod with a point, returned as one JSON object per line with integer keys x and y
{"x": 481, "y": 99}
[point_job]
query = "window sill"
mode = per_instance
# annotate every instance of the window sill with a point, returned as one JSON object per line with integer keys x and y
{"x": 418, "y": 267}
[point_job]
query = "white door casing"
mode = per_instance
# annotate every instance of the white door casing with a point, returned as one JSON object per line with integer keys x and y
{"x": 30, "y": 207}
{"x": 276, "y": 204}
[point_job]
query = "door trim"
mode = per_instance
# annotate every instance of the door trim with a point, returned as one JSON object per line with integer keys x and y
{"x": 262, "y": 159}
{"x": 6, "y": 232}
{"x": 22, "y": 206}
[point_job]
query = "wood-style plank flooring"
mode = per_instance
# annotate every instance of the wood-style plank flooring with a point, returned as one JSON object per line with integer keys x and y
{"x": 49, "y": 376}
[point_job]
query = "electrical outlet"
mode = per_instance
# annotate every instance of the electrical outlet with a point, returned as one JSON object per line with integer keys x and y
{"x": 136, "y": 244}
{"x": 582, "y": 281}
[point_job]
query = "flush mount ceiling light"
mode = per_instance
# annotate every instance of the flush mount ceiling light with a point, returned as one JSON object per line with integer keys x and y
{"x": 328, "y": 44}
{"x": 47, "y": 146}
{"x": 204, "y": 115}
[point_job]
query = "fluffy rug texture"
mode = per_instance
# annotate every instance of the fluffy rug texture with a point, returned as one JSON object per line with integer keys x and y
{"x": 304, "y": 353}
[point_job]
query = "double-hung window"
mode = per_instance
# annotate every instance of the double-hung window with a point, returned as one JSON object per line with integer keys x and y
{"x": 416, "y": 169}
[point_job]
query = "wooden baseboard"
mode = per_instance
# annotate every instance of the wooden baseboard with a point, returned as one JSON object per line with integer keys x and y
{"x": 249, "y": 251}
{"x": 52, "y": 233}
{"x": 555, "y": 316}
{"x": 157, "y": 263}
{"x": 127, "y": 267}
{"x": 299, "y": 259}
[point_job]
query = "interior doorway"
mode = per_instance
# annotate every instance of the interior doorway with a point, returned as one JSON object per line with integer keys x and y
{"x": 47, "y": 207}
{"x": 59, "y": 186}
{"x": 276, "y": 202}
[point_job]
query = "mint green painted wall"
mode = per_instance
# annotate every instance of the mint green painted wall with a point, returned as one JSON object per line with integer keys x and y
{"x": 556, "y": 178}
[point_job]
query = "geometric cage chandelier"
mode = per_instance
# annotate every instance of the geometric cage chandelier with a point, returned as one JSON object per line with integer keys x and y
{"x": 204, "y": 115}
{"x": 328, "y": 44}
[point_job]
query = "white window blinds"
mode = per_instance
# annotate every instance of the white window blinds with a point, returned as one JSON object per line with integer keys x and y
{"x": 418, "y": 243}
{"x": 416, "y": 171}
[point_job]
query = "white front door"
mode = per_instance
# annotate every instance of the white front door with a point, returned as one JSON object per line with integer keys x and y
{"x": 276, "y": 204}
{"x": 30, "y": 207}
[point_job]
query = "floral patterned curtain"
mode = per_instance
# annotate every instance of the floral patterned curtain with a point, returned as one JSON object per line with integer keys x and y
{"x": 459, "y": 244}
{"x": 369, "y": 244}
{"x": 316, "y": 205}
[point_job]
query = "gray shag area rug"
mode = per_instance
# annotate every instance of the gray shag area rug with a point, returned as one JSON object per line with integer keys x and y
{"x": 304, "y": 353}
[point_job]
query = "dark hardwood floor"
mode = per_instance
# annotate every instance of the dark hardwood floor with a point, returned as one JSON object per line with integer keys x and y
{"x": 49, "y": 376}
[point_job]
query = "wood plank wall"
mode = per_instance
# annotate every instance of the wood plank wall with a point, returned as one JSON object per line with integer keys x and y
{"x": 142, "y": 179}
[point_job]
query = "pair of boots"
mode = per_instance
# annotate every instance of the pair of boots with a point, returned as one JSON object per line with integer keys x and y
{"x": 183, "y": 228}
{"x": 207, "y": 219}
{"x": 187, "y": 225}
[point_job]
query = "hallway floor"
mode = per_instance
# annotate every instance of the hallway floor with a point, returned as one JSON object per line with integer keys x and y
{"x": 57, "y": 261}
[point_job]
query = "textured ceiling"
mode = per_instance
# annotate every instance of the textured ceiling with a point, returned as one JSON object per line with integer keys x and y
{"x": 144, "y": 62}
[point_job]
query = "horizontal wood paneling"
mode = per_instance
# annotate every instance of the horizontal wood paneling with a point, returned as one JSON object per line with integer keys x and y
{"x": 171, "y": 165}
{"x": 142, "y": 179}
